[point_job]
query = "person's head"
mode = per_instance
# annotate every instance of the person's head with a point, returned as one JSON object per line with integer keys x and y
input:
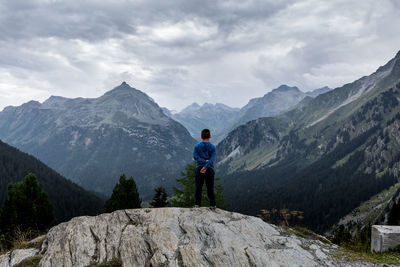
{"x": 205, "y": 134}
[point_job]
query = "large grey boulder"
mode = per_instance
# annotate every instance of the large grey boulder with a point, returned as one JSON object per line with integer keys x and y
{"x": 180, "y": 237}
{"x": 176, "y": 237}
{"x": 384, "y": 237}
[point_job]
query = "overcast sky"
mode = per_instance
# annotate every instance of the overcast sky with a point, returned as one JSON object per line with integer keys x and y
{"x": 179, "y": 52}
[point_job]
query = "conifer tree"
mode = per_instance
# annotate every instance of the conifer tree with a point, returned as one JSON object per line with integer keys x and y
{"x": 160, "y": 198}
{"x": 125, "y": 196}
{"x": 26, "y": 207}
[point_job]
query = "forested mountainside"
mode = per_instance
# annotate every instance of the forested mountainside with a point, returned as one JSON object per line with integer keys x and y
{"x": 382, "y": 208}
{"x": 92, "y": 141}
{"x": 324, "y": 157}
{"x": 68, "y": 199}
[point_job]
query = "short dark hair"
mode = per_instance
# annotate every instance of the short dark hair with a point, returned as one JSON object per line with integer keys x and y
{"x": 205, "y": 134}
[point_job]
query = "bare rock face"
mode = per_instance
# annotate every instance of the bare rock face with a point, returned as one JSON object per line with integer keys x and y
{"x": 14, "y": 257}
{"x": 180, "y": 237}
{"x": 175, "y": 237}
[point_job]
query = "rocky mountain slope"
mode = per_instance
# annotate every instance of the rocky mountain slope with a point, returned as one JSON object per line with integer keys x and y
{"x": 278, "y": 100}
{"x": 345, "y": 140}
{"x": 93, "y": 141}
{"x": 324, "y": 118}
{"x": 179, "y": 237}
{"x": 68, "y": 199}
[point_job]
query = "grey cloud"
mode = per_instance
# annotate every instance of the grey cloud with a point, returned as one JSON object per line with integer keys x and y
{"x": 94, "y": 20}
{"x": 174, "y": 50}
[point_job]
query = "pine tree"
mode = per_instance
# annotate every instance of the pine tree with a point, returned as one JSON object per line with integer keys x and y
{"x": 184, "y": 195}
{"x": 160, "y": 198}
{"x": 25, "y": 208}
{"x": 125, "y": 196}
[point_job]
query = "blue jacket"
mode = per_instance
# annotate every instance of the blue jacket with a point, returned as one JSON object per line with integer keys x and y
{"x": 204, "y": 151}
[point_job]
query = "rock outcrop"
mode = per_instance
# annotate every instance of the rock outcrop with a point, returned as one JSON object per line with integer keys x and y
{"x": 17, "y": 256}
{"x": 181, "y": 237}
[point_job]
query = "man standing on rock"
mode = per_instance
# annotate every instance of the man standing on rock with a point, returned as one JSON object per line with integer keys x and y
{"x": 204, "y": 155}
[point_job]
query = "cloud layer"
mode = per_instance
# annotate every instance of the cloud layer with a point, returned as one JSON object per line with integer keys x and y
{"x": 183, "y": 51}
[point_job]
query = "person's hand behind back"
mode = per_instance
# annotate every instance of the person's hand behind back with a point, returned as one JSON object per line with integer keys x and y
{"x": 203, "y": 170}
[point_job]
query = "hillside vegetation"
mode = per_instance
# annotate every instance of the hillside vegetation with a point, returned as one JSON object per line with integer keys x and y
{"x": 68, "y": 199}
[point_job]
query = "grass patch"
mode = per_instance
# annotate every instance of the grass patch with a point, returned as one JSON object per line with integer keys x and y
{"x": 382, "y": 173}
{"x": 29, "y": 244}
{"x": 307, "y": 234}
{"x": 358, "y": 248}
{"x": 254, "y": 159}
{"x": 22, "y": 240}
{"x": 348, "y": 254}
{"x": 116, "y": 262}
{"x": 31, "y": 262}
{"x": 305, "y": 247}
{"x": 342, "y": 161}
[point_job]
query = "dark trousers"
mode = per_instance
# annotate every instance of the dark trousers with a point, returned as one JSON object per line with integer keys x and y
{"x": 199, "y": 179}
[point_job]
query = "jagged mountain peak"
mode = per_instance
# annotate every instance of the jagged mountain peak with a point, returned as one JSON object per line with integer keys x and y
{"x": 54, "y": 101}
{"x": 319, "y": 91}
{"x": 54, "y": 98}
{"x": 24, "y": 107}
{"x": 123, "y": 89}
{"x": 31, "y": 103}
{"x": 285, "y": 88}
{"x": 218, "y": 106}
{"x": 193, "y": 106}
{"x": 208, "y": 105}
{"x": 282, "y": 98}
{"x": 125, "y": 92}
{"x": 393, "y": 63}
{"x": 282, "y": 89}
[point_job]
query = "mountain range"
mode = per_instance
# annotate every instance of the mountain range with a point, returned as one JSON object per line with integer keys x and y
{"x": 221, "y": 119}
{"x": 324, "y": 157}
{"x": 92, "y": 141}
